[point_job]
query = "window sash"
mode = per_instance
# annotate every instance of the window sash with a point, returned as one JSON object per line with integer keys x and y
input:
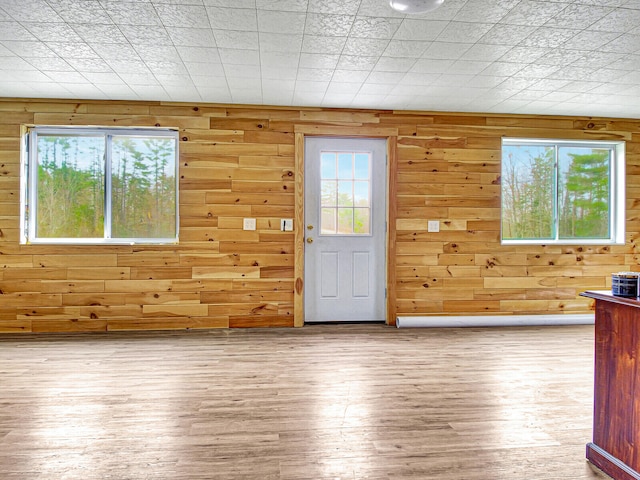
{"x": 30, "y": 180}
{"x": 616, "y": 200}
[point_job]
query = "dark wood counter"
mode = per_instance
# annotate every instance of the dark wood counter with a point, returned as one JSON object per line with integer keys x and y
{"x": 615, "y": 448}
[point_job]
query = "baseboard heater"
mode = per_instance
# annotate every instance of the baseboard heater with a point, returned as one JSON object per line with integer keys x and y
{"x": 493, "y": 320}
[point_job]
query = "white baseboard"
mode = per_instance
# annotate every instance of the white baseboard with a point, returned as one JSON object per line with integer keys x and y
{"x": 493, "y": 320}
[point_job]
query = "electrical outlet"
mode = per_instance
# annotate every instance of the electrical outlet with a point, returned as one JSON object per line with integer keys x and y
{"x": 249, "y": 224}
{"x": 433, "y": 226}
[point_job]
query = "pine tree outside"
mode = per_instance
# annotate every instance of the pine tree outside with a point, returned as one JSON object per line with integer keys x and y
{"x": 562, "y": 192}
{"x": 93, "y": 185}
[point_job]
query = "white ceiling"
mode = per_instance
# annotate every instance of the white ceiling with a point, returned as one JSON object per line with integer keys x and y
{"x": 573, "y": 57}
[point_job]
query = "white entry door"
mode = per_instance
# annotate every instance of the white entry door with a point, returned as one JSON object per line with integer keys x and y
{"x": 345, "y": 229}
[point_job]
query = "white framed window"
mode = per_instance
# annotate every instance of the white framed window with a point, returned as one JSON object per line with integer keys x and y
{"x": 90, "y": 185}
{"x": 346, "y": 193}
{"x": 563, "y": 192}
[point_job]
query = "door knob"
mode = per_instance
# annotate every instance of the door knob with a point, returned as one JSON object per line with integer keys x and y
{"x": 309, "y": 240}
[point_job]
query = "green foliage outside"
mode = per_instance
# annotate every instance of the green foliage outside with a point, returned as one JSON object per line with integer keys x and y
{"x": 544, "y": 196}
{"x": 71, "y": 187}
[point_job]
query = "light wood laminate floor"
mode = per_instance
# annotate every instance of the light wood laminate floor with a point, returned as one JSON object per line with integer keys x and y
{"x": 320, "y": 402}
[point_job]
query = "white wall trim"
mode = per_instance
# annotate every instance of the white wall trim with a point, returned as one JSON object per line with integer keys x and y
{"x": 493, "y": 320}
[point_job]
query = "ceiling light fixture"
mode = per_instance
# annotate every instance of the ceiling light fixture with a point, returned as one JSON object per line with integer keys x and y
{"x": 415, "y": 6}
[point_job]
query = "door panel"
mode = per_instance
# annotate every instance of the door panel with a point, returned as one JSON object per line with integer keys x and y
{"x": 345, "y": 228}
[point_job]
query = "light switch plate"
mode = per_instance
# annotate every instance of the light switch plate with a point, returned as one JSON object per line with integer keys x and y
{"x": 249, "y": 224}
{"x": 433, "y": 226}
{"x": 286, "y": 224}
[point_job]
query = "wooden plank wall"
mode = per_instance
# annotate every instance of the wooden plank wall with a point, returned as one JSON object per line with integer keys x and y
{"x": 239, "y": 161}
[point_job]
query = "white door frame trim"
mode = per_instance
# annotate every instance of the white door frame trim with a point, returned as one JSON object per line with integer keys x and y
{"x": 391, "y": 135}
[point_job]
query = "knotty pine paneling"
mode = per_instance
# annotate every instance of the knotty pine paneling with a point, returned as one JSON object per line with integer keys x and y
{"x": 239, "y": 161}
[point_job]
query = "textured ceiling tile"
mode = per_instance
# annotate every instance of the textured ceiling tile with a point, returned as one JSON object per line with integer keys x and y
{"x": 356, "y": 76}
{"x": 318, "y": 60}
{"x": 607, "y": 75}
{"x": 626, "y": 43}
{"x": 242, "y": 71}
{"x": 144, "y": 79}
{"x": 174, "y": 80}
{"x": 503, "y": 69}
{"x": 464, "y": 32}
{"x": 232, "y": 56}
{"x": 353, "y": 62}
{"x": 127, "y": 13}
{"x": 232, "y": 19}
{"x": 573, "y": 73}
{"x": 392, "y": 64}
{"x": 282, "y": 42}
{"x": 30, "y": 11}
{"x": 344, "y": 87}
{"x": 166, "y": 68}
{"x": 405, "y": 48}
{"x": 559, "y": 57}
{"x": 110, "y": 51}
{"x": 189, "y": 16}
{"x": 283, "y": 5}
{"x": 549, "y": 84}
{"x": 100, "y": 33}
{"x": 489, "y": 53}
{"x": 205, "y": 69}
{"x": 65, "y": 77}
{"x": 328, "y": 25}
{"x": 411, "y": 29}
{"x": 14, "y": 31}
{"x": 432, "y": 66}
{"x": 620, "y": 20}
{"x": 467, "y": 67}
{"x": 537, "y": 71}
{"x": 210, "y": 81}
{"x": 72, "y": 50}
{"x": 375, "y": 27}
{"x": 530, "y": 12}
{"x": 579, "y": 87}
{"x": 489, "y": 11}
{"x": 286, "y": 60}
{"x": 231, "y": 3}
{"x": 158, "y": 53}
{"x": 89, "y": 65}
{"x": 628, "y": 62}
{"x": 82, "y": 11}
{"x": 281, "y": 22}
{"x": 377, "y": 8}
{"x": 336, "y": 7}
{"x": 191, "y": 37}
{"x": 139, "y": 34}
{"x": 444, "y": 50}
{"x": 419, "y": 79}
{"x": 323, "y": 44}
{"x": 524, "y": 54}
{"x": 28, "y": 49}
{"x": 365, "y": 46}
{"x": 500, "y": 34}
{"x": 590, "y": 40}
{"x": 16, "y": 63}
{"x": 51, "y": 63}
{"x": 128, "y": 67}
{"x": 107, "y": 78}
{"x": 545, "y": 37}
{"x": 199, "y": 54}
{"x": 279, "y": 73}
{"x": 486, "y": 81}
{"x": 315, "y": 74}
{"x": 53, "y": 32}
{"x": 453, "y": 80}
{"x": 578, "y": 17}
{"x": 236, "y": 39}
